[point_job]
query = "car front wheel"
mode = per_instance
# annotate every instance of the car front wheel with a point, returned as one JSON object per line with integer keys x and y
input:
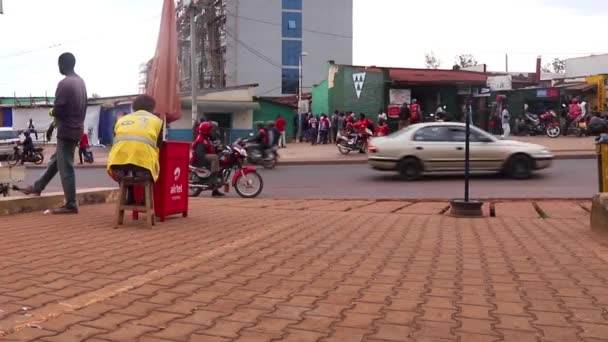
{"x": 520, "y": 167}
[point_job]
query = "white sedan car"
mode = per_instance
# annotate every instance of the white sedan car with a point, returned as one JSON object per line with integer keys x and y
{"x": 439, "y": 147}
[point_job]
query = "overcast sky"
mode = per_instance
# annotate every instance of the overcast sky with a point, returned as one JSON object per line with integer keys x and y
{"x": 111, "y": 38}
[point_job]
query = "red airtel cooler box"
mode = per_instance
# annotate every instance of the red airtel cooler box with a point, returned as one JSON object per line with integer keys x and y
{"x": 171, "y": 187}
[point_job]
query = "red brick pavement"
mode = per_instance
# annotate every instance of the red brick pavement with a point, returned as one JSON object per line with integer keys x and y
{"x": 246, "y": 271}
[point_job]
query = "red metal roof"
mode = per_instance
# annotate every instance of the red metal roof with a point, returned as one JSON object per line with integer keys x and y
{"x": 437, "y": 76}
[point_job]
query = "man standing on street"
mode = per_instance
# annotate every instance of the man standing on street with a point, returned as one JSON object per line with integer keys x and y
{"x": 69, "y": 112}
{"x": 506, "y": 121}
{"x": 281, "y": 125}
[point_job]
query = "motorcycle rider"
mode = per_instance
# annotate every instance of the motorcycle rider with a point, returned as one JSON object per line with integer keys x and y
{"x": 273, "y": 139}
{"x": 361, "y": 126}
{"x": 260, "y": 140}
{"x": 28, "y": 147}
{"x": 205, "y": 155}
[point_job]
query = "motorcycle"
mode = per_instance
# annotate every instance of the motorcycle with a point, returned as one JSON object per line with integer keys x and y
{"x": 578, "y": 126}
{"x": 543, "y": 124}
{"x": 35, "y": 157}
{"x": 255, "y": 155}
{"x": 353, "y": 142}
{"x": 245, "y": 180}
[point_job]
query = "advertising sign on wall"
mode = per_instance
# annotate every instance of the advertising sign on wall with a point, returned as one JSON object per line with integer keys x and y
{"x": 497, "y": 83}
{"x": 400, "y": 96}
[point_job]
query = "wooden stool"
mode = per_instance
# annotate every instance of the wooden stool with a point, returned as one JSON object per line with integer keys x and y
{"x": 148, "y": 205}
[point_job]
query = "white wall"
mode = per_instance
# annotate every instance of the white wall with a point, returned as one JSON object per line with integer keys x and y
{"x": 587, "y": 66}
{"x": 242, "y": 119}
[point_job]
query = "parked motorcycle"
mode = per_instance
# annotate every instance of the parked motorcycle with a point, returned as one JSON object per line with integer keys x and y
{"x": 246, "y": 180}
{"x": 543, "y": 124}
{"x": 352, "y": 142}
{"x": 35, "y": 157}
{"x": 255, "y": 155}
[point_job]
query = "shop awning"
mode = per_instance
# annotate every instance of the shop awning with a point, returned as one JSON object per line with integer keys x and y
{"x": 582, "y": 87}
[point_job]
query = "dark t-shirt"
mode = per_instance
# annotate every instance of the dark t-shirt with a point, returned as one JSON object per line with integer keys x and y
{"x": 70, "y": 107}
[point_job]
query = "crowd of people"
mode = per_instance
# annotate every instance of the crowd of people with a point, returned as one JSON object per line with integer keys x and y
{"x": 321, "y": 129}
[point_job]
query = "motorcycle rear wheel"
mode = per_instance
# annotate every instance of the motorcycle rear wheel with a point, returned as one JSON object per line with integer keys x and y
{"x": 192, "y": 191}
{"x": 269, "y": 164}
{"x": 13, "y": 159}
{"x": 343, "y": 148}
{"x": 38, "y": 158}
{"x": 553, "y": 132}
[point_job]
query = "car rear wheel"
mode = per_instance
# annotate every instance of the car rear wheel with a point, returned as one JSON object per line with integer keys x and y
{"x": 410, "y": 169}
{"x": 520, "y": 167}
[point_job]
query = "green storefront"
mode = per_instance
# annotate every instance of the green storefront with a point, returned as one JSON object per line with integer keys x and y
{"x": 351, "y": 89}
{"x": 270, "y": 110}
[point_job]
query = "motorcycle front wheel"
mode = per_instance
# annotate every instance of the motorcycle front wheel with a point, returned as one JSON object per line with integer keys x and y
{"x": 250, "y": 185}
{"x": 343, "y": 147}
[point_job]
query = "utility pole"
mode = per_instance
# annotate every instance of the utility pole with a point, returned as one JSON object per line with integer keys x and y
{"x": 1, "y": 11}
{"x": 506, "y": 62}
{"x": 193, "y": 76}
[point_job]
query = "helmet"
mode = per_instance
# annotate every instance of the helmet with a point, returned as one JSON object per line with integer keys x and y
{"x": 205, "y": 128}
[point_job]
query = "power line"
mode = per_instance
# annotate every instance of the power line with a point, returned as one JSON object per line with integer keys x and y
{"x": 254, "y": 51}
{"x": 277, "y": 24}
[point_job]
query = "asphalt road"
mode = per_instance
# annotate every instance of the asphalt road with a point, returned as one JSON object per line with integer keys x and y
{"x": 566, "y": 179}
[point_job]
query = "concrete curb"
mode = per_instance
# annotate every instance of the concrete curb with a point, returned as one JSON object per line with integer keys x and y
{"x": 21, "y": 205}
{"x": 328, "y": 162}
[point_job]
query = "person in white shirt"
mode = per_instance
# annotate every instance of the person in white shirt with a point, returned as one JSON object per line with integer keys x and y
{"x": 382, "y": 116}
{"x": 505, "y": 117}
{"x": 583, "y": 105}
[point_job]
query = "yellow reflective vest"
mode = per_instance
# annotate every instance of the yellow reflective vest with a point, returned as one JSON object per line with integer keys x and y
{"x": 135, "y": 138}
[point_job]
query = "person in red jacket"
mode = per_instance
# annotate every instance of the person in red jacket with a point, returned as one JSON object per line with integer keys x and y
{"x": 574, "y": 112}
{"x": 82, "y": 147}
{"x": 382, "y": 129}
{"x": 280, "y": 123}
{"x": 414, "y": 112}
{"x": 362, "y": 126}
{"x": 204, "y": 154}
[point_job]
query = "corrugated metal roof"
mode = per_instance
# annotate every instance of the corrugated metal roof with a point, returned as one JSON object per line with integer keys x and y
{"x": 437, "y": 76}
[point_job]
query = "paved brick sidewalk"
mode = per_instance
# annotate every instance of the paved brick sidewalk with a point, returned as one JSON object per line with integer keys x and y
{"x": 307, "y": 271}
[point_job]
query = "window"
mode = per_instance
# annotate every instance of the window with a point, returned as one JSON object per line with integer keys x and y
{"x": 292, "y": 49}
{"x": 290, "y": 81}
{"x": 458, "y": 134}
{"x": 432, "y": 133}
{"x": 292, "y": 4}
{"x": 292, "y": 25}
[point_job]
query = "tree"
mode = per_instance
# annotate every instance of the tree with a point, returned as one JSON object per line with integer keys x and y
{"x": 466, "y": 60}
{"x": 95, "y": 96}
{"x": 557, "y": 66}
{"x": 431, "y": 62}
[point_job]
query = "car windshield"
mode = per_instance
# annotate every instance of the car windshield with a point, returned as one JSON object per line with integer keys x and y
{"x": 9, "y": 135}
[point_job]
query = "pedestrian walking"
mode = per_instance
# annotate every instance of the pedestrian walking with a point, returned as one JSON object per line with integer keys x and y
{"x": 341, "y": 124}
{"x": 313, "y": 129}
{"x": 83, "y": 146}
{"x": 324, "y": 127}
{"x": 69, "y": 111}
{"x": 506, "y": 122}
{"x": 281, "y": 124}
{"x": 334, "y": 127}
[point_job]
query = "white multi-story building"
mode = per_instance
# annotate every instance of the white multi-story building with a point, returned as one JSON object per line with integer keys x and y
{"x": 265, "y": 39}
